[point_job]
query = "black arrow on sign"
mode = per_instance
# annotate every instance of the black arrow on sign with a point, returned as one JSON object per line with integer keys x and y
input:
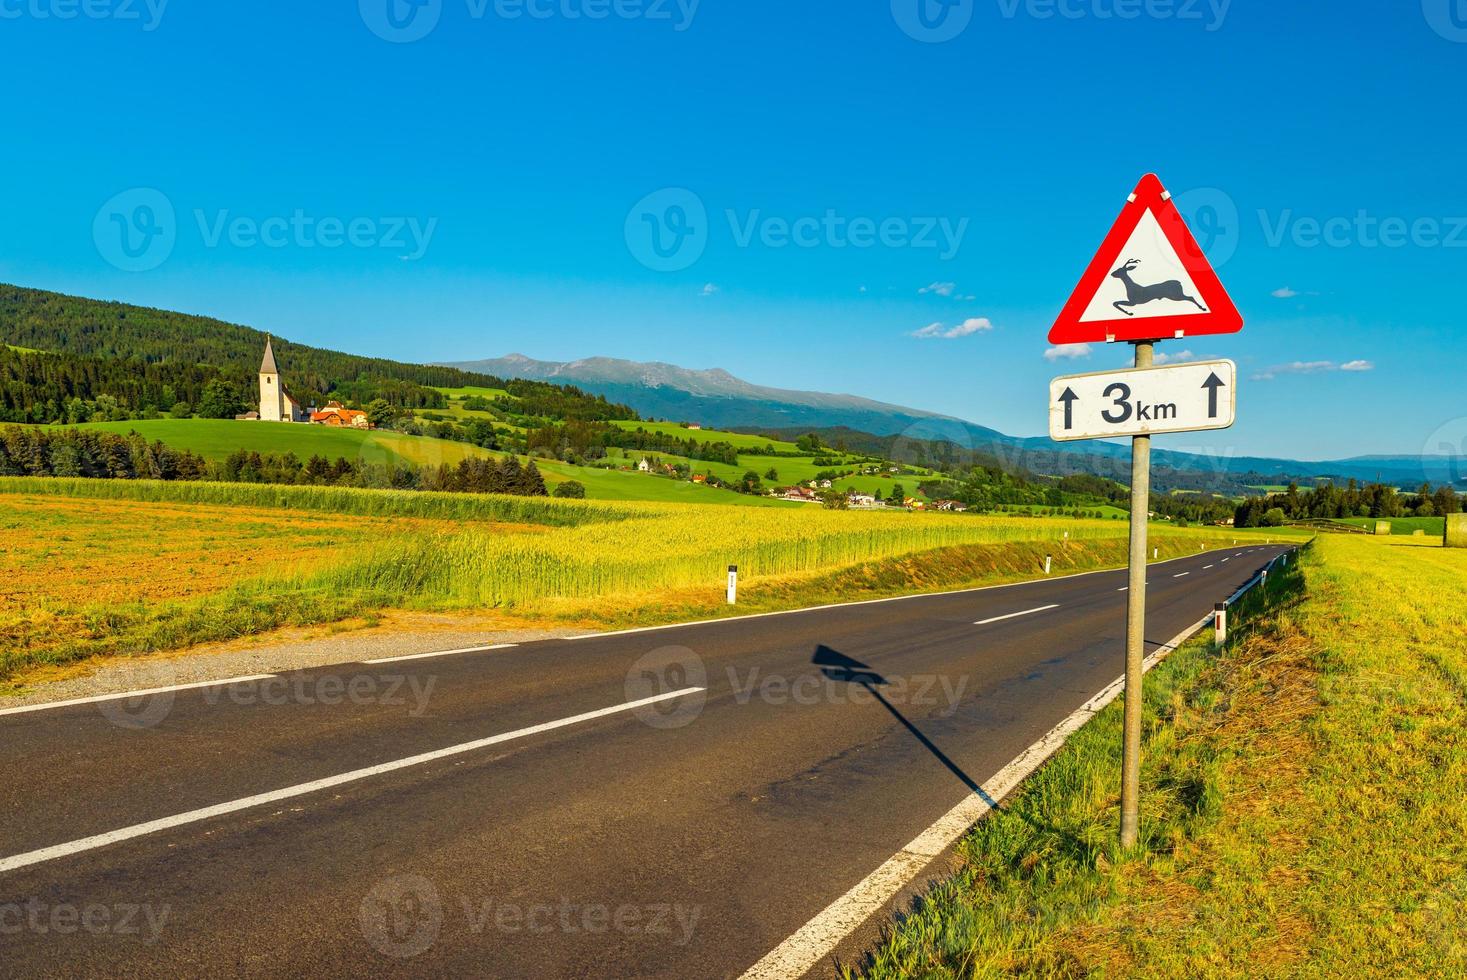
{"x": 1212, "y": 383}
{"x": 1069, "y": 398}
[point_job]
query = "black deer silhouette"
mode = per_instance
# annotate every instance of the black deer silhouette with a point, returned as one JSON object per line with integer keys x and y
{"x": 1137, "y": 294}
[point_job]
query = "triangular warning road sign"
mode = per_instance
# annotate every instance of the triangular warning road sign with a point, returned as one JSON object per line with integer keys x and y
{"x": 1149, "y": 281}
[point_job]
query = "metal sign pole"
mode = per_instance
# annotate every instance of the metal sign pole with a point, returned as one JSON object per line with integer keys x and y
{"x": 1136, "y": 624}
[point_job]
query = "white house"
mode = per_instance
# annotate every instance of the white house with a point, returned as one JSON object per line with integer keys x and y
{"x": 276, "y": 404}
{"x": 645, "y": 465}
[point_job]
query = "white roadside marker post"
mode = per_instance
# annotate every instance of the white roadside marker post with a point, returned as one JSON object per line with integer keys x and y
{"x": 1047, "y": 560}
{"x": 1220, "y": 625}
{"x": 733, "y": 585}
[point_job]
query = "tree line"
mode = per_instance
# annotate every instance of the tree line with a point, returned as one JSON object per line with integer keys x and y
{"x": 1331, "y": 502}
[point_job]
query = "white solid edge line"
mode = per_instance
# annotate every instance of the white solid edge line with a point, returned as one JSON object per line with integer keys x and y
{"x": 817, "y": 938}
{"x": 48, "y": 705}
{"x": 1026, "y": 612}
{"x": 440, "y": 653}
{"x": 869, "y": 602}
{"x": 220, "y": 809}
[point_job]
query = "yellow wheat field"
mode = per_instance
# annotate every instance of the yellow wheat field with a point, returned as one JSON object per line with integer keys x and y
{"x": 685, "y": 545}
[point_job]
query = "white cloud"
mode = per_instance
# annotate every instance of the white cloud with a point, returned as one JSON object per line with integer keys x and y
{"x": 1067, "y": 352}
{"x": 1285, "y": 293}
{"x": 709, "y": 289}
{"x": 1179, "y": 357}
{"x": 979, "y": 324}
{"x": 1311, "y": 367}
{"x": 940, "y": 288}
{"x": 972, "y": 325}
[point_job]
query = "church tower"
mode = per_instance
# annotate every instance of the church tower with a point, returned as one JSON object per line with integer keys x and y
{"x": 272, "y": 400}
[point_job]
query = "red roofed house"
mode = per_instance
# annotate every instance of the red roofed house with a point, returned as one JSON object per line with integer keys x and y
{"x": 333, "y": 414}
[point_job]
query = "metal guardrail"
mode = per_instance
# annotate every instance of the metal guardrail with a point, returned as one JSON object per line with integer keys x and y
{"x": 1220, "y": 611}
{"x": 1262, "y": 575}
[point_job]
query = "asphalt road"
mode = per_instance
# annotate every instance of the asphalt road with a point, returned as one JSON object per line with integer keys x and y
{"x": 683, "y": 838}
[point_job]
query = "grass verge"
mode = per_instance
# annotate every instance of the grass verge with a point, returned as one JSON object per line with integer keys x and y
{"x": 1305, "y": 804}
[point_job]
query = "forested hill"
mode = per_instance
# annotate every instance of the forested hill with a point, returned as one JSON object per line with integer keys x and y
{"x": 76, "y": 348}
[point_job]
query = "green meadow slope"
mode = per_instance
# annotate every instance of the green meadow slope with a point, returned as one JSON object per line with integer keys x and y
{"x": 216, "y": 439}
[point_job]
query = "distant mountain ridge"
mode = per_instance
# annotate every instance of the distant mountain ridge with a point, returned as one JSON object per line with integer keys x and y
{"x": 716, "y": 398}
{"x": 712, "y": 397}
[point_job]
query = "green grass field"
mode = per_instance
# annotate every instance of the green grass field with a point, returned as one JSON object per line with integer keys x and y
{"x": 216, "y": 439}
{"x": 735, "y": 439}
{"x": 457, "y": 394}
{"x": 1433, "y": 526}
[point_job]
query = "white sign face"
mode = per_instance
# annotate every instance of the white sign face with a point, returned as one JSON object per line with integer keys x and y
{"x": 1149, "y": 280}
{"x": 1144, "y": 401}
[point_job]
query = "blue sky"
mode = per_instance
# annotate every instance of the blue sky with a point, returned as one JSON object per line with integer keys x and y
{"x": 476, "y": 190}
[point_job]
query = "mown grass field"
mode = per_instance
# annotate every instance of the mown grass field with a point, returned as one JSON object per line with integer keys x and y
{"x": 1304, "y": 803}
{"x": 591, "y": 563}
{"x": 458, "y": 394}
{"x": 738, "y": 440}
{"x": 216, "y": 439}
{"x": 1432, "y": 527}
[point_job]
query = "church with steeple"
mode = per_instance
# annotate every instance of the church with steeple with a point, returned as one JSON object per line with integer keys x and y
{"x": 276, "y": 404}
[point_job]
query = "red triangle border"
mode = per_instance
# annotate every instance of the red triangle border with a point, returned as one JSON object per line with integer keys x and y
{"x": 1222, "y": 316}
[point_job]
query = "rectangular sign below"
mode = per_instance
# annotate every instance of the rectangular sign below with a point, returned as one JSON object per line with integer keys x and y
{"x": 1144, "y": 401}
